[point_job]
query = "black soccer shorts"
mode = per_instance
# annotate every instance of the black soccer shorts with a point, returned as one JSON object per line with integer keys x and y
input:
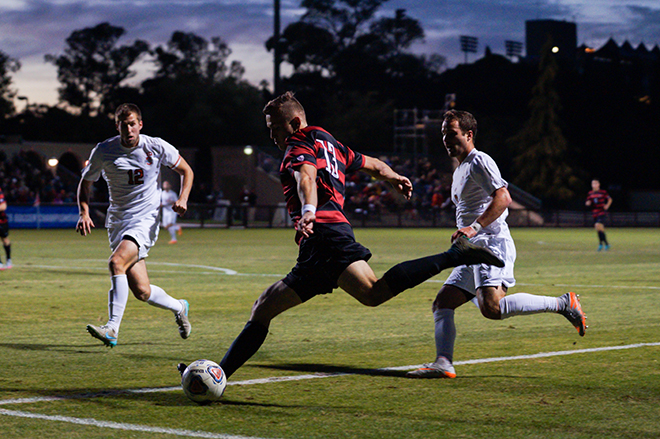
{"x": 322, "y": 258}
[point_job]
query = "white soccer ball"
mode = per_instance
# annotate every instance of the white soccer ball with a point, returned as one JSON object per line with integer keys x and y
{"x": 203, "y": 381}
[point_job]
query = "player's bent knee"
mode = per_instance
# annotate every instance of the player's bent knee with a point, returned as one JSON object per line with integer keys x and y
{"x": 116, "y": 265}
{"x": 491, "y": 312}
{"x": 142, "y": 295}
{"x": 370, "y": 301}
{"x": 273, "y": 301}
{"x": 373, "y": 294}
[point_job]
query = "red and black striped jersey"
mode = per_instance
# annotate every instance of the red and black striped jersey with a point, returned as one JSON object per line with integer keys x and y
{"x": 598, "y": 201}
{"x": 317, "y": 147}
{"x": 3, "y": 214}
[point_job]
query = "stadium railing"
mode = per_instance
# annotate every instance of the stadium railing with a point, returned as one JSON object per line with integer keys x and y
{"x": 273, "y": 216}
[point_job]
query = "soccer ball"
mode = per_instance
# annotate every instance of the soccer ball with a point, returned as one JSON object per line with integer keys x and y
{"x": 203, "y": 381}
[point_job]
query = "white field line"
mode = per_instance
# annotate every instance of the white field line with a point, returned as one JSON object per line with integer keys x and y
{"x": 203, "y": 434}
{"x": 122, "y": 425}
{"x": 326, "y": 374}
{"x": 210, "y": 270}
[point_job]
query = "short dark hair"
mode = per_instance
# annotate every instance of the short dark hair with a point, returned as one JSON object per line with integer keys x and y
{"x": 286, "y": 104}
{"x": 466, "y": 121}
{"x": 125, "y": 109}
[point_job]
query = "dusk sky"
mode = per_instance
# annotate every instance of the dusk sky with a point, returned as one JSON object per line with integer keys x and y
{"x": 29, "y": 29}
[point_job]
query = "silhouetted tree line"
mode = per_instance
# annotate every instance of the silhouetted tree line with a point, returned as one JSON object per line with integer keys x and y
{"x": 551, "y": 126}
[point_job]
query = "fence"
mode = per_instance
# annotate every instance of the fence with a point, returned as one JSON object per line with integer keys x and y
{"x": 226, "y": 215}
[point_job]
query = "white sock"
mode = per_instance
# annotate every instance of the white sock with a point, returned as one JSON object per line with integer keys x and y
{"x": 445, "y": 333}
{"x": 159, "y": 298}
{"x": 172, "y": 230}
{"x": 522, "y": 304}
{"x": 117, "y": 298}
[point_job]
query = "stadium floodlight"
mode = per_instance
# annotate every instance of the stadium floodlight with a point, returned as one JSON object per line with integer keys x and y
{"x": 468, "y": 45}
{"x": 513, "y": 48}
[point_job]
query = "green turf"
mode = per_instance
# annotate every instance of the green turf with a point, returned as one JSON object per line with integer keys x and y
{"x": 59, "y": 284}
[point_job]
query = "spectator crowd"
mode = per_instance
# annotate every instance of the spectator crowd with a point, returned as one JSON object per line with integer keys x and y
{"x": 25, "y": 179}
{"x": 369, "y": 197}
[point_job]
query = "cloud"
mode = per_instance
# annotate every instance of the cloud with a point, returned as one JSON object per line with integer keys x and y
{"x": 29, "y": 29}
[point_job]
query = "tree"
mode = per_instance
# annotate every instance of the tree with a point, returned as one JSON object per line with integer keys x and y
{"x": 540, "y": 148}
{"x": 344, "y": 54}
{"x": 337, "y": 36}
{"x": 192, "y": 57}
{"x": 197, "y": 99}
{"x": 92, "y": 67}
{"x": 8, "y": 65}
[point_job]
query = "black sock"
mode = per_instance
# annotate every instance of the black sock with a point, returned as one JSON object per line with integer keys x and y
{"x": 8, "y": 251}
{"x": 245, "y": 346}
{"x": 412, "y": 273}
{"x": 601, "y": 237}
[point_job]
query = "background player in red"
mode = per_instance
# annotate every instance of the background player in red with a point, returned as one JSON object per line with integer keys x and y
{"x": 312, "y": 174}
{"x": 600, "y": 201}
{"x": 4, "y": 232}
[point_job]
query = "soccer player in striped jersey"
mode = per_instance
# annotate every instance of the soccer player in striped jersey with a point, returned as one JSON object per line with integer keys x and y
{"x": 130, "y": 164}
{"x": 599, "y": 201}
{"x": 312, "y": 174}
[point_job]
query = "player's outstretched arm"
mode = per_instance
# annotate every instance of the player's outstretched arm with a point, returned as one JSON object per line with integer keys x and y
{"x": 187, "y": 177}
{"x": 307, "y": 192}
{"x": 85, "y": 223}
{"x": 381, "y": 171}
{"x": 501, "y": 200}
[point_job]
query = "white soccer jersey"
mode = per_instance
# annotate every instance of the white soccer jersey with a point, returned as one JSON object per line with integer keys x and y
{"x": 167, "y": 200}
{"x": 473, "y": 183}
{"x": 131, "y": 174}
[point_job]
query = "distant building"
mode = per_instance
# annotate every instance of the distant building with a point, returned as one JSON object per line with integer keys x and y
{"x": 638, "y": 69}
{"x": 611, "y": 52}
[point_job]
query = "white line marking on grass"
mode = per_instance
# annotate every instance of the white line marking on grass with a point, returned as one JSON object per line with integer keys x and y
{"x": 625, "y": 287}
{"x": 632, "y": 287}
{"x": 203, "y": 434}
{"x": 328, "y": 374}
{"x": 122, "y": 425}
{"x": 206, "y": 267}
{"x": 539, "y": 355}
{"x": 230, "y": 272}
{"x": 32, "y": 400}
{"x": 213, "y": 270}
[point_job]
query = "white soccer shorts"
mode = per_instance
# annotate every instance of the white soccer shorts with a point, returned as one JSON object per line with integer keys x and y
{"x": 471, "y": 277}
{"x": 144, "y": 231}
{"x": 168, "y": 217}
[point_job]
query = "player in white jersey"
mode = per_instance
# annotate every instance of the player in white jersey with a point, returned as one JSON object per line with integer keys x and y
{"x": 167, "y": 215}
{"x": 482, "y": 199}
{"x": 130, "y": 164}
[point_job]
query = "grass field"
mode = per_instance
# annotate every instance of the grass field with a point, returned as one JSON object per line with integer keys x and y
{"x": 58, "y": 382}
